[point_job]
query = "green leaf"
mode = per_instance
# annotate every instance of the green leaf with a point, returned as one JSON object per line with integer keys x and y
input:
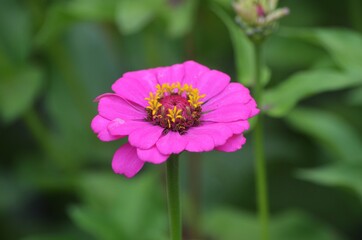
{"x": 329, "y": 130}
{"x": 94, "y": 10}
{"x": 15, "y": 32}
{"x": 355, "y": 97}
{"x": 281, "y": 99}
{"x": 18, "y": 91}
{"x": 132, "y": 16}
{"x": 180, "y": 17}
{"x": 118, "y": 208}
{"x": 337, "y": 174}
{"x": 231, "y": 224}
{"x": 344, "y": 46}
{"x": 243, "y": 50}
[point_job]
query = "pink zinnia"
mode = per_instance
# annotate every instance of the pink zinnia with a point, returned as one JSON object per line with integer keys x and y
{"x": 167, "y": 110}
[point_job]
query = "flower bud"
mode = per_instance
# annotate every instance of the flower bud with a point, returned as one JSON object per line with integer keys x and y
{"x": 258, "y": 17}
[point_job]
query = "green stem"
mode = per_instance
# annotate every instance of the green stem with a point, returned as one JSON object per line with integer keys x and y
{"x": 194, "y": 186}
{"x": 173, "y": 197}
{"x": 262, "y": 194}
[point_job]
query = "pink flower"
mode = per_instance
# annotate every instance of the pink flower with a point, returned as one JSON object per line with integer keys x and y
{"x": 168, "y": 110}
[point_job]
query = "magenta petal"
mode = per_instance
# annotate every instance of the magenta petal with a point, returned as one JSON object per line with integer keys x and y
{"x": 253, "y": 108}
{"x": 234, "y": 93}
{"x": 120, "y": 126}
{"x": 232, "y": 144}
{"x": 112, "y": 106}
{"x": 136, "y": 86}
{"x": 126, "y": 161}
{"x": 193, "y": 72}
{"x": 238, "y": 126}
{"x": 219, "y": 132}
{"x": 99, "y": 126}
{"x": 146, "y": 137}
{"x": 171, "y": 143}
{"x": 152, "y": 155}
{"x": 228, "y": 113}
{"x": 211, "y": 83}
{"x": 199, "y": 143}
{"x": 172, "y": 74}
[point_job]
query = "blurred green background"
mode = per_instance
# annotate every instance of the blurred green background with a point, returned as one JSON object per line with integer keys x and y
{"x": 56, "y": 180}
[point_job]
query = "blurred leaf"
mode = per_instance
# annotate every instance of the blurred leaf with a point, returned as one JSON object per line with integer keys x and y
{"x": 93, "y": 10}
{"x": 180, "y": 17}
{"x": 118, "y": 208}
{"x": 15, "y": 32}
{"x": 354, "y": 97}
{"x": 132, "y": 16}
{"x": 18, "y": 91}
{"x": 57, "y": 20}
{"x": 337, "y": 174}
{"x": 243, "y": 50}
{"x": 281, "y": 99}
{"x": 231, "y": 224}
{"x": 343, "y": 45}
{"x": 331, "y": 131}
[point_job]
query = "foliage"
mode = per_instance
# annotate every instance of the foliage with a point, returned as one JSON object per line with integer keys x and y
{"x": 55, "y": 176}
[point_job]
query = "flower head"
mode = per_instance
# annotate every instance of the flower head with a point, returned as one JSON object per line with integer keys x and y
{"x": 167, "y": 110}
{"x": 258, "y": 17}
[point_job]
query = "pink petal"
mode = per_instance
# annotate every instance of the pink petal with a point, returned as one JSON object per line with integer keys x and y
{"x": 125, "y": 161}
{"x": 171, "y": 143}
{"x": 193, "y": 72}
{"x": 238, "y": 126}
{"x": 232, "y": 144}
{"x": 121, "y": 127}
{"x": 136, "y": 86}
{"x": 232, "y": 104}
{"x": 232, "y": 94}
{"x": 146, "y": 137}
{"x": 219, "y": 132}
{"x": 172, "y": 74}
{"x": 211, "y": 83}
{"x": 228, "y": 113}
{"x": 198, "y": 143}
{"x": 112, "y": 106}
{"x": 152, "y": 155}
{"x": 99, "y": 126}
{"x": 253, "y": 106}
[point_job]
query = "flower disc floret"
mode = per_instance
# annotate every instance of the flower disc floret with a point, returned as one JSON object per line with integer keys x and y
{"x": 174, "y": 107}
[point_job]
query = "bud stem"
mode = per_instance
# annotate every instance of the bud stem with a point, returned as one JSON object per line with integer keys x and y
{"x": 260, "y": 167}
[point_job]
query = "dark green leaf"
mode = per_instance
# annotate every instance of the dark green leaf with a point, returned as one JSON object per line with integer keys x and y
{"x": 230, "y": 224}
{"x": 18, "y": 91}
{"x": 338, "y": 174}
{"x": 344, "y": 46}
{"x": 281, "y": 99}
{"x": 330, "y": 130}
{"x": 132, "y": 16}
{"x": 118, "y": 208}
{"x": 180, "y": 17}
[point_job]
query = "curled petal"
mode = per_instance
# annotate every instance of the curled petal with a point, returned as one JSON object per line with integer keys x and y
{"x": 112, "y": 106}
{"x": 233, "y": 144}
{"x": 126, "y": 161}
{"x": 99, "y": 126}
